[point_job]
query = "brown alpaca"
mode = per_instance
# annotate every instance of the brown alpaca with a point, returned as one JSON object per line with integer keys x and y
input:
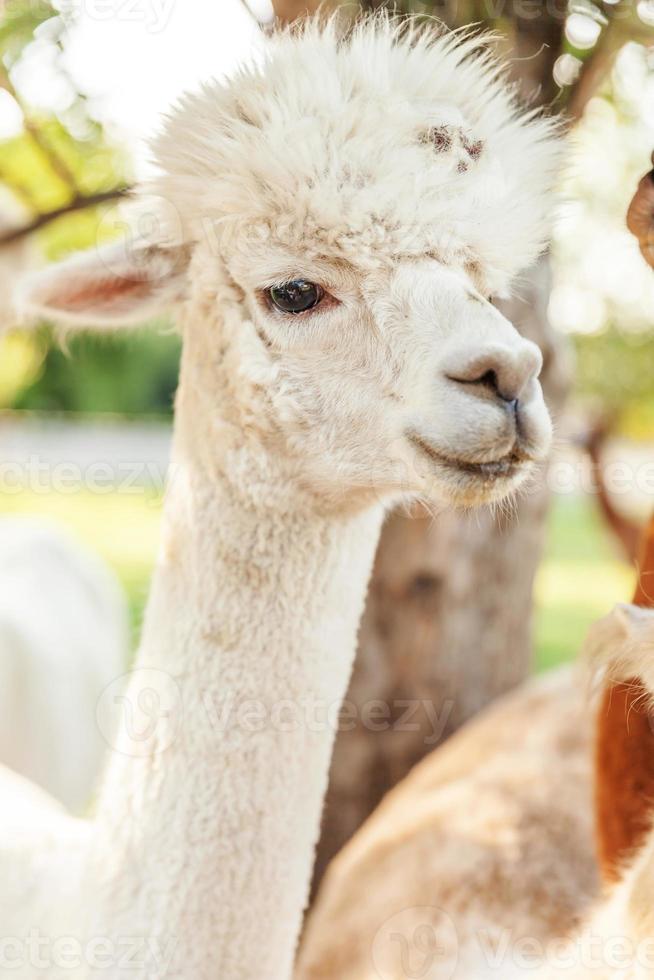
{"x": 624, "y": 751}
{"x": 492, "y": 834}
{"x": 640, "y": 217}
{"x": 625, "y": 737}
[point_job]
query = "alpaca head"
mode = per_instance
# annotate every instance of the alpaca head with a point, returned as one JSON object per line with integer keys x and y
{"x": 620, "y": 646}
{"x": 332, "y": 224}
{"x": 640, "y": 217}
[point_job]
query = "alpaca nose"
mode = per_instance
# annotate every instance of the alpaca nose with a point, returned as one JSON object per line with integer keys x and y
{"x": 499, "y": 372}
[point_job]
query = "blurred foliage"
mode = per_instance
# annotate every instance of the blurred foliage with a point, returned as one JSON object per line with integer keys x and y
{"x": 615, "y": 371}
{"x": 134, "y": 374}
{"x": 581, "y": 576}
{"x": 556, "y": 48}
{"x": 20, "y": 364}
{"x": 62, "y": 161}
{"x": 85, "y": 166}
{"x": 603, "y": 292}
{"x": 19, "y": 24}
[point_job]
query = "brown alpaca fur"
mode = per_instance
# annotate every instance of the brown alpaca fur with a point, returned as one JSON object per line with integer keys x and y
{"x": 624, "y": 752}
{"x": 640, "y": 217}
{"x": 476, "y": 832}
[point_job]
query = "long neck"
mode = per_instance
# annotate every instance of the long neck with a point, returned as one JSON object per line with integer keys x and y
{"x": 210, "y": 811}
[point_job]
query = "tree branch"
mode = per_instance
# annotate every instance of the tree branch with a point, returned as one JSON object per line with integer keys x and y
{"x": 78, "y": 203}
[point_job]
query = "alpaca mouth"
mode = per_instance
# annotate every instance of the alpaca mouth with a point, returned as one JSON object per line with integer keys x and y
{"x": 504, "y": 467}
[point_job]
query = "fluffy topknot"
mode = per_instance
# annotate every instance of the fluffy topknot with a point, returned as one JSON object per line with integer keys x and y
{"x": 389, "y": 140}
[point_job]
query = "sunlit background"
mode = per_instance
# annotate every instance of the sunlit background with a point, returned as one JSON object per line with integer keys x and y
{"x": 82, "y": 85}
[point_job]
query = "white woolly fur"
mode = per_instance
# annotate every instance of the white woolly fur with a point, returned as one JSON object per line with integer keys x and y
{"x": 320, "y": 143}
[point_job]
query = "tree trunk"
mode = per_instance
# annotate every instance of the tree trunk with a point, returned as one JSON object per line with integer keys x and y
{"x": 288, "y": 10}
{"x": 447, "y": 627}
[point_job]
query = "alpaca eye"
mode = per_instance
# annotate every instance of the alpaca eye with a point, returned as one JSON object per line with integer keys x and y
{"x": 296, "y": 296}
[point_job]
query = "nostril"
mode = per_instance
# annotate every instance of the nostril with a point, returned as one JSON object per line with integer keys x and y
{"x": 498, "y": 371}
{"x": 490, "y": 380}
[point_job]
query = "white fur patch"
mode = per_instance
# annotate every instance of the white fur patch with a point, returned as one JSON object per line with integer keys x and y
{"x": 319, "y": 146}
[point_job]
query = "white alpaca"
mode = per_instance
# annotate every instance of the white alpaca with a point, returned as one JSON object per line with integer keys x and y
{"x": 63, "y": 639}
{"x": 344, "y": 211}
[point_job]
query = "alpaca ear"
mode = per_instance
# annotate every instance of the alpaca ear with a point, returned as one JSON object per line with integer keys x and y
{"x": 622, "y": 644}
{"x": 113, "y": 286}
{"x": 640, "y": 217}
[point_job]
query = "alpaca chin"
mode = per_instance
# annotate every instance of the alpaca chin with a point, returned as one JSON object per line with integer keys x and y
{"x": 466, "y": 490}
{"x": 466, "y": 483}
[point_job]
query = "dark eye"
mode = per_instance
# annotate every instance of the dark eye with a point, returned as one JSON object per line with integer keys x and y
{"x": 296, "y": 296}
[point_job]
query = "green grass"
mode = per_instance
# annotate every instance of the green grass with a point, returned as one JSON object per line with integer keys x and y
{"x": 580, "y": 578}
